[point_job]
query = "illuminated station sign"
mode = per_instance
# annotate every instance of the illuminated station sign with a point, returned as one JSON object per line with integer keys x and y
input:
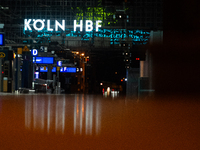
{"x": 47, "y": 24}
{"x": 43, "y": 60}
{"x": 34, "y": 52}
{"x": 62, "y": 69}
{"x": 2, "y": 39}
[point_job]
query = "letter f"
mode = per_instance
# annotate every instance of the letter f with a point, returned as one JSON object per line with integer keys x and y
{"x": 26, "y": 24}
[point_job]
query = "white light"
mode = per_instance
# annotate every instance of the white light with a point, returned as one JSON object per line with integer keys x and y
{"x": 35, "y": 22}
{"x": 36, "y": 75}
{"x": 31, "y": 90}
{"x": 97, "y": 25}
{"x": 61, "y": 26}
{"x": 105, "y": 94}
{"x": 108, "y": 89}
{"x": 120, "y": 16}
{"x": 80, "y": 25}
{"x": 45, "y": 49}
{"x": 59, "y": 63}
{"x": 48, "y": 26}
{"x": 101, "y": 83}
{"x": 90, "y": 25}
{"x": 38, "y": 60}
{"x": 81, "y": 69}
{"x": 26, "y": 24}
{"x": 125, "y": 79}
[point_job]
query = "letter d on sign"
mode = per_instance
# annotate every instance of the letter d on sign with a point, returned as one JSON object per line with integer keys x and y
{"x": 34, "y": 52}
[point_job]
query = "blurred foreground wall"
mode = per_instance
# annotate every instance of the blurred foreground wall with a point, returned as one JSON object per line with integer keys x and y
{"x": 176, "y": 64}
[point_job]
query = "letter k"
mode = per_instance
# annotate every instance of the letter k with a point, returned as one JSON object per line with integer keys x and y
{"x": 26, "y": 24}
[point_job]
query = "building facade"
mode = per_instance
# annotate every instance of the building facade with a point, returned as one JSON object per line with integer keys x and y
{"x": 125, "y": 25}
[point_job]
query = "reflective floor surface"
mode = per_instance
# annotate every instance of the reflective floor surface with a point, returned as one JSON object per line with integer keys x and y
{"x": 91, "y": 122}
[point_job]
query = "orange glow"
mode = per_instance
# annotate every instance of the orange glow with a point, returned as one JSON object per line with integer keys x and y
{"x": 50, "y": 122}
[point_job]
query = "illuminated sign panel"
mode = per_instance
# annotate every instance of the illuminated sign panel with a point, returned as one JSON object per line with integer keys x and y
{"x": 68, "y": 69}
{"x": 59, "y": 63}
{"x": 43, "y": 60}
{"x": 2, "y": 43}
{"x": 35, "y": 22}
{"x": 34, "y": 52}
{"x": 36, "y": 75}
{"x": 54, "y": 69}
{"x": 42, "y": 69}
{"x": 47, "y": 60}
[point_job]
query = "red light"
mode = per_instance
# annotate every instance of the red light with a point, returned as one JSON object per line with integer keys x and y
{"x": 121, "y": 80}
{"x": 2, "y": 72}
{"x": 137, "y": 58}
{"x": 87, "y": 59}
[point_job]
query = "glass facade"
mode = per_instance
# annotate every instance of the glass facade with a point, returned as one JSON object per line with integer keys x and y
{"x": 135, "y": 19}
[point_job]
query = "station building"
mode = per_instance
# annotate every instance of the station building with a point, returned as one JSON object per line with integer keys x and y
{"x": 125, "y": 28}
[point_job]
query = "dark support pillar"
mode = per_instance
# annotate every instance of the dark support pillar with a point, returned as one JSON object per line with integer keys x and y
{"x": 49, "y": 72}
{"x": 132, "y": 82}
{"x": 16, "y": 73}
{"x": 25, "y": 74}
{"x": 1, "y": 83}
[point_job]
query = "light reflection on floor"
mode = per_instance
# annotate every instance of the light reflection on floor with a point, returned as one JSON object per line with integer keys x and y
{"x": 98, "y": 122}
{"x": 112, "y": 94}
{"x": 50, "y": 115}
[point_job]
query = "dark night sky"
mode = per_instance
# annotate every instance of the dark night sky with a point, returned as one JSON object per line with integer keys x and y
{"x": 181, "y": 15}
